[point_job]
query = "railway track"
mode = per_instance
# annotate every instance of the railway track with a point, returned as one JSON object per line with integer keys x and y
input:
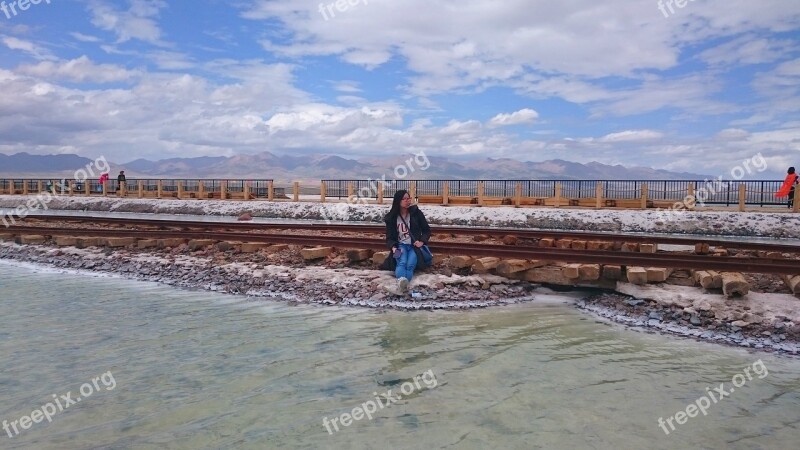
{"x": 463, "y": 231}
{"x": 663, "y": 259}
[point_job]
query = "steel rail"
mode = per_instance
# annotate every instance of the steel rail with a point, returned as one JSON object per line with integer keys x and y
{"x": 471, "y": 231}
{"x": 677, "y": 261}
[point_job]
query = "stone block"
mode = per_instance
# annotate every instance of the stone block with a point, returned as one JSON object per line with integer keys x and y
{"x": 460, "y": 262}
{"x": 357, "y": 255}
{"x": 702, "y": 248}
{"x": 572, "y": 271}
{"x": 484, "y": 265}
{"x": 509, "y": 266}
{"x": 630, "y": 247}
{"x": 611, "y": 272}
{"x": 547, "y": 242}
{"x": 578, "y": 244}
{"x": 636, "y": 275}
{"x": 309, "y": 254}
{"x": 66, "y": 241}
{"x": 793, "y": 282}
{"x": 708, "y": 279}
{"x": 90, "y": 242}
{"x": 589, "y": 272}
{"x": 31, "y": 239}
{"x": 564, "y": 243}
{"x": 379, "y": 257}
{"x": 276, "y": 248}
{"x": 648, "y": 248}
{"x": 171, "y": 242}
{"x": 120, "y": 242}
{"x": 658, "y": 274}
{"x": 548, "y": 275}
{"x": 199, "y": 244}
{"x": 734, "y": 284}
{"x": 252, "y": 247}
{"x": 147, "y": 243}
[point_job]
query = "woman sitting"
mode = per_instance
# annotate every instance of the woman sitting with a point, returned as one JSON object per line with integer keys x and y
{"x": 407, "y": 232}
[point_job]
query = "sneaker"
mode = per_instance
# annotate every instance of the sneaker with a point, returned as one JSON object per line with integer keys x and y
{"x": 403, "y": 283}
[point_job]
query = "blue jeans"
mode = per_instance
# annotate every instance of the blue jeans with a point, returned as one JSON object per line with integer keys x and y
{"x": 406, "y": 263}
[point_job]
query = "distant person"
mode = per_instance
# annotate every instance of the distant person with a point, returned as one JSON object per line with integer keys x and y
{"x": 407, "y": 235}
{"x": 120, "y": 180}
{"x": 103, "y": 178}
{"x": 787, "y": 188}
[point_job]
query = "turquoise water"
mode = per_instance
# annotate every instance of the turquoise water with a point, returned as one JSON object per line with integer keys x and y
{"x": 200, "y": 370}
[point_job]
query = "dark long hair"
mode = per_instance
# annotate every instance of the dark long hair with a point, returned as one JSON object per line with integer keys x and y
{"x": 790, "y": 171}
{"x": 395, "y": 211}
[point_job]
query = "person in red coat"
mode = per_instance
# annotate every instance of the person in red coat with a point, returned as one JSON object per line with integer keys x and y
{"x": 787, "y": 188}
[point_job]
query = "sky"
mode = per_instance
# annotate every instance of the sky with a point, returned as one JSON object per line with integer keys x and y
{"x": 683, "y": 85}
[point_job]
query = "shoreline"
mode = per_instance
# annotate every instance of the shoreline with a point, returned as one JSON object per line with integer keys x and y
{"x": 653, "y": 308}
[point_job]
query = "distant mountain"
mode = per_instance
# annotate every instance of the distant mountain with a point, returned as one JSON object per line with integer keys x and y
{"x": 26, "y": 163}
{"x": 314, "y": 167}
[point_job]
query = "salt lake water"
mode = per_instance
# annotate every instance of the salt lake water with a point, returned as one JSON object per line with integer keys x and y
{"x": 195, "y": 370}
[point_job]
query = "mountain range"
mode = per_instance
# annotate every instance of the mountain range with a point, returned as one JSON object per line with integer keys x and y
{"x": 285, "y": 168}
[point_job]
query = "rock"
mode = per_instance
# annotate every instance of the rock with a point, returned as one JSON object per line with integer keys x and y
{"x": 510, "y": 239}
{"x": 695, "y": 320}
{"x": 245, "y": 217}
{"x": 740, "y": 324}
{"x": 634, "y": 302}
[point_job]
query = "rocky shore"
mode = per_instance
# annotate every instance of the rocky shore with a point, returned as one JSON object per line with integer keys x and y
{"x": 278, "y": 276}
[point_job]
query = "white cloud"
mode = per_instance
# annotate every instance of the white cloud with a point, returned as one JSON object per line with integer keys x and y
{"x": 78, "y": 70}
{"x": 85, "y": 37}
{"x": 138, "y": 22}
{"x": 516, "y": 118}
{"x": 29, "y": 47}
{"x": 632, "y": 136}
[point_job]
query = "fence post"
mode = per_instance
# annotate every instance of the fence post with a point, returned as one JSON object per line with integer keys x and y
{"x": 690, "y": 196}
{"x": 380, "y": 192}
{"x": 39, "y": 187}
{"x": 599, "y": 192}
{"x": 796, "y": 204}
{"x": 123, "y": 189}
{"x": 87, "y": 186}
{"x": 350, "y": 192}
{"x": 160, "y": 187}
{"x": 24, "y": 187}
{"x": 246, "y": 189}
{"x": 296, "y": 191}
{"x": 140, "y": 188}
{"x": 322, "y": 192}
{"x": 644, "y": 195}
{"x": 70, "y": 187}
{"x": 105, "y": 188}
{"x": 558, "y": 195}
{"x": 223, "y": 190}
{"x": 742, "y": 196}
{"x": 201, "y": 189}
{"x": 412, "y": 188}
{"x": 480, "y": 193}
{"x": 180, "y": 189}
{"x": 270, "y": 190}
{"x": 518, "y": 195}
{"x": 445, "y": 193}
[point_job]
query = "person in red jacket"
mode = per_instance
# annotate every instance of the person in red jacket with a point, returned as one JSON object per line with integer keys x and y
{"x": 787, "y": 188}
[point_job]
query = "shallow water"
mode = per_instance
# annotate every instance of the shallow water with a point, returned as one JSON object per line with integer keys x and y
{"x": 201, "y": 370}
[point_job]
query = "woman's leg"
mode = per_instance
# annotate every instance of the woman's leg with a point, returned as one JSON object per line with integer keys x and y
{"x": 791, "y": 197}
{"x": 411, "y": 261}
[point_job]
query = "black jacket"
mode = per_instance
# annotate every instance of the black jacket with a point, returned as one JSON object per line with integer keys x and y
{"x": 420, "y": 231}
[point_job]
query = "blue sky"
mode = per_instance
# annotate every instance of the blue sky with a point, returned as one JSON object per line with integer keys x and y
{"x": 697, "y": 88}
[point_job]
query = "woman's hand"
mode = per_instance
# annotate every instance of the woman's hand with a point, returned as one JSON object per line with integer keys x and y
{"x": 418, "y": 244}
